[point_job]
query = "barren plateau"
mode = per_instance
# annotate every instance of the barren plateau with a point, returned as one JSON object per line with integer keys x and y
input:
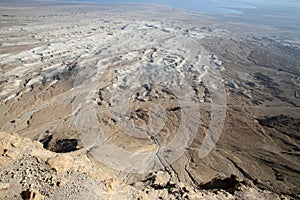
{"x": 143, "y": 101}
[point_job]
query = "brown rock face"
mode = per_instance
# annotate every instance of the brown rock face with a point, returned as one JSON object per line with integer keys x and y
{"x": 48, "y": 175}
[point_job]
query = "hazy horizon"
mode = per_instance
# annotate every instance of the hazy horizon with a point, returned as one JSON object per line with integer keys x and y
{"x": 283, "y": 14}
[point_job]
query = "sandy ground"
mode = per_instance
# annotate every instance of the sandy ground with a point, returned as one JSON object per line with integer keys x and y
{"x": 142, "y": 90}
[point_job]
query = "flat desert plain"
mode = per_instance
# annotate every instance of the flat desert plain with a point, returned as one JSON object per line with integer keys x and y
{"x": 143, "y": 101}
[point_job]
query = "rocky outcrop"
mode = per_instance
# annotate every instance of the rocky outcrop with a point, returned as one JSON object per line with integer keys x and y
{"x": 30, "y": 172}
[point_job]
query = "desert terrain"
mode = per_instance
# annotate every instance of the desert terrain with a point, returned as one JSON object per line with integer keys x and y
{"x": 143, "y": 101}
